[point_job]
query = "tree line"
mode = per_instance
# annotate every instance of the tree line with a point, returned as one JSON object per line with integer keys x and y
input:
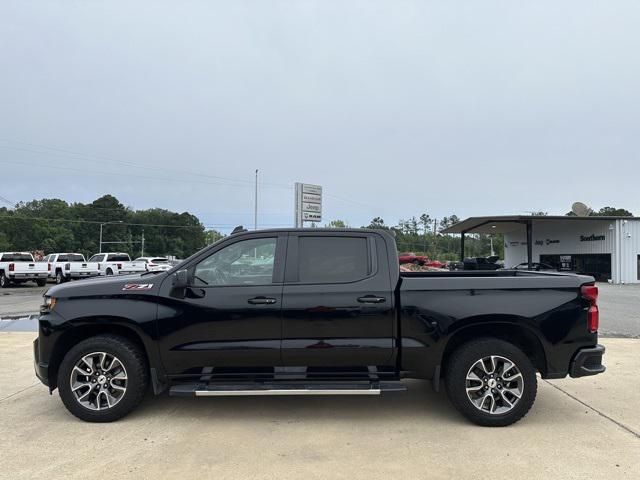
{"x": 53, "y": 225}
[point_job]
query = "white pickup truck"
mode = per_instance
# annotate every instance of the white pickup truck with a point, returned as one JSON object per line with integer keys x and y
{"x": 117, "y": 264}
{"x": 20, "y": 267}
{"x": 69, "y": 266}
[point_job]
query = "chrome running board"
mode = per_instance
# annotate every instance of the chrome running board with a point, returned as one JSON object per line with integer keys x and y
{"x": 226, "y": 390}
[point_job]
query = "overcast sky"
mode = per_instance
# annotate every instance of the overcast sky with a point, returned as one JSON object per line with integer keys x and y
{"x": 394, "y": 107}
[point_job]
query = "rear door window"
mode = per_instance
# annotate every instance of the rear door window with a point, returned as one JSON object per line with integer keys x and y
{"x": 330, "y": 259}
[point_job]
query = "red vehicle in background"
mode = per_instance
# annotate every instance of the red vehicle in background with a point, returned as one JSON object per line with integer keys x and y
{"x": 435, "y": 264}
{"x": 410, "y": 257}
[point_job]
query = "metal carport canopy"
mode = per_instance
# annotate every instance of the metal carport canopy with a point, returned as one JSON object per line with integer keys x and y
{"x": 510, "y": 223}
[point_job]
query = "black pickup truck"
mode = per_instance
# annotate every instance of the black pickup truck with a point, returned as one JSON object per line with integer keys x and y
{"x": 315, "y": 311}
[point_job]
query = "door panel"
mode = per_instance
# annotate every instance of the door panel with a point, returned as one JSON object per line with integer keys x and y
{"x": 337, "y": 325}
{"x": 230, "y": 318}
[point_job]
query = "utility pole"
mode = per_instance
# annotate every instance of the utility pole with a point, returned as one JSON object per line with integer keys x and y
{"x": 255, "y": 206}
{"x": 435, "y": 238}
{"x": 142, "y": 248}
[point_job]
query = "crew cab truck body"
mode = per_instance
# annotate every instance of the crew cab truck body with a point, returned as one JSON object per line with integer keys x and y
{"x": 117, "y": 264}
{"x": 20, "y": 267}
{"x": 70, "y": 266}
{"x": 315, "y": 312}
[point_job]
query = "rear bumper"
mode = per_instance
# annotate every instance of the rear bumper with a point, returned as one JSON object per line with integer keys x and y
{"x": 82, "y": 274}
{"x": 42, "y": 369}
{"x": 28, "y": 276}
{"x": 587, "y": 361}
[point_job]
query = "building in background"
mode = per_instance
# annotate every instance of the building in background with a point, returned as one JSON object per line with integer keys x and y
{"x": 607, "y": 248}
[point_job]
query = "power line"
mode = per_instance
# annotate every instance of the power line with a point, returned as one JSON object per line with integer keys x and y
{"x": 103, "y": 159}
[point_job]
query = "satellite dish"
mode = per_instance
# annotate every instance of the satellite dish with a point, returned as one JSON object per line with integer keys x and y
{"x": 580, "y": 209}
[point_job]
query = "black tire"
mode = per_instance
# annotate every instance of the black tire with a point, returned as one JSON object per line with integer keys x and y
{"x": 133, "y": 360}
{"x": 59, "y": 277}
{"x": 109, "y": 271}
{"x": 460, "y": 363}
{"x": 416, "y": 262}
{"x": 4, "y": 281}
{"x": 41, "y": 283}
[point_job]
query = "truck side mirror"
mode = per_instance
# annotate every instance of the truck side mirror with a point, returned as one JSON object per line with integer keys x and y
{"x": 181, "y": 279}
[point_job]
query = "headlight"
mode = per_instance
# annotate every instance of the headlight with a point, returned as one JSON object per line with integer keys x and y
{"x": 47, "y": 306}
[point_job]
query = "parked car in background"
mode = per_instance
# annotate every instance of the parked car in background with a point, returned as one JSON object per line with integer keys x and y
{"x": 435, "y": 264}
{"x": 482, "y": 263}
{"x": 410, "y": 257}
{"x": 69, "y": 266}
{"x": 117, "y": 264}
{"x": 536, "y": 266}
{"x": 20, "y": 267}
{"x": 155, "y": 264}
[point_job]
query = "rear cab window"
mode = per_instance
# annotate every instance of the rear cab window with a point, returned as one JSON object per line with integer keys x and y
{"x": 118, "y": 257}
{"x": 331, "y": 259}
{"x": 17, "y": 257}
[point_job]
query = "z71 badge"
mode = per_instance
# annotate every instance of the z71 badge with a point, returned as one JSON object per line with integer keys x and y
{"x": 137, "y": 286}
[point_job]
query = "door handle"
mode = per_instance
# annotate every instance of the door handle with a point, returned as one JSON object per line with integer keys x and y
{"x": 262, "y": 301}
{"x": 371, "y": 299}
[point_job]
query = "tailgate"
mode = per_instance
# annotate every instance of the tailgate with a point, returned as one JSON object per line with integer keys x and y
{"x": 30, "y": 267}
{"x": 83, "y": 267}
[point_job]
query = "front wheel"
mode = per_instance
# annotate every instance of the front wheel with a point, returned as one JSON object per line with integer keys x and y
{"x": 491, "y": 382}
{"x": 103, "y": 378}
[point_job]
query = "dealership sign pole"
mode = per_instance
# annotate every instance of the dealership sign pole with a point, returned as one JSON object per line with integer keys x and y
{"x": 308, "y": 206}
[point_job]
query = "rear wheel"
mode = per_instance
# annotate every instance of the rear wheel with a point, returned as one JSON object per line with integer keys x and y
{"x": 103, "y": 378}
{"x": 491, "y": 382}
{"x": 109, "y": 271}
{"x": 4, "y": 281}
{"x": 41, "y": 282}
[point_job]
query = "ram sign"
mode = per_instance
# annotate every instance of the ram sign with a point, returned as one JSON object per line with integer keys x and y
{"x": 308, "y": 207}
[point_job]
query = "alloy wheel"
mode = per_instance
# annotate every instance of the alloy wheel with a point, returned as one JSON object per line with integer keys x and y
{"x": 494, "y": 384}
{"x": 98, "y": 381}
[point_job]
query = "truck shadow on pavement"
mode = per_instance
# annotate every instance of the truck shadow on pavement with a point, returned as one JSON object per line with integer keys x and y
{"x": 419, "y": 401}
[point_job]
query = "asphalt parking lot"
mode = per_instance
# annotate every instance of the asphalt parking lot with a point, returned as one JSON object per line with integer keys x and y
{"x": 578, "y": 428}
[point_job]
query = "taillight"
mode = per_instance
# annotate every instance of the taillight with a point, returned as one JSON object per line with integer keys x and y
{"x": 12, "y": 267}
{"x": 119, "y": 266}
{"x": 67, "y": 266}
{"x": 49, "y": 266}
{"x": 590, "y": 292}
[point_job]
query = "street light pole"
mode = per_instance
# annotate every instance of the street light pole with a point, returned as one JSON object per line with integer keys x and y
{"x": 101, "y": 225}
{"x": 100, "y": 250}
{"x": 255, "y": 207}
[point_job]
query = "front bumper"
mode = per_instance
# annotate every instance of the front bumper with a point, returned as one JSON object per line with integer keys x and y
{"x": 587, "y": 361}
{"x": 42, "y": 369}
